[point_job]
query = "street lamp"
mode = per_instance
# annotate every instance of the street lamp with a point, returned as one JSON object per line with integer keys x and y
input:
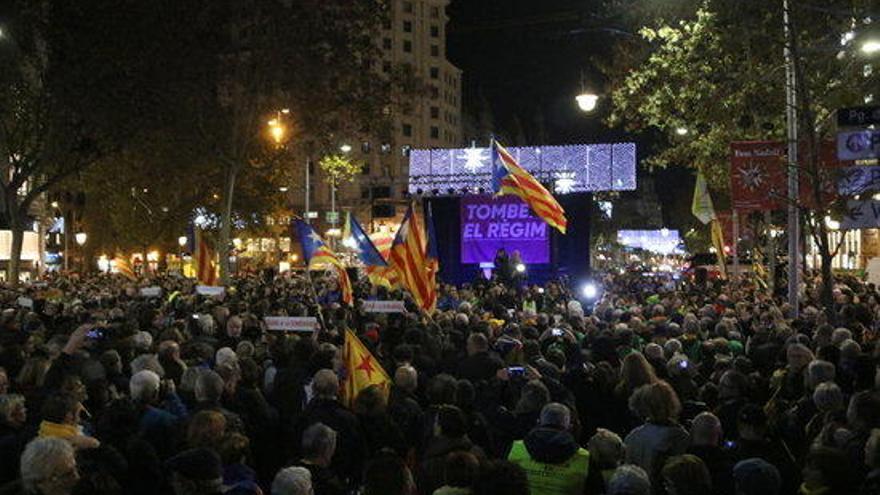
{"x": 277, "y": 130}
{"x": 81, "y": 238}
{"x": 182, "y": 240}
{"x": 870, "y": 47}
{"x": 345, "y": 148}
{"x": 681, "y": 131}
{"x": 587, "y": 101}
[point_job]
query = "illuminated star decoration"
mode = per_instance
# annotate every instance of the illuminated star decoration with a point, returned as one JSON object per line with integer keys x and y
{"x": 752, "y": 176}
{"x": 564, "y": 182}
{"x": 367, "y": 366}
{"x": 474, "y": 159}
{"x": 315, "y": 237}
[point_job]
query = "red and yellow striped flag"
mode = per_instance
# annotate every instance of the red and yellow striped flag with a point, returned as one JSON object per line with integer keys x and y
{"x": 123, "y": 267}
{"x": 409, "y": 259}
{"x": 509, "y": 178}
{"x": 383, "y": 276}
{"x": 203, "y": 260}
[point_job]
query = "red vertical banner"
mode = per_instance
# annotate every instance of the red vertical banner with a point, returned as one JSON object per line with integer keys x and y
{"x": 757, "y": 175}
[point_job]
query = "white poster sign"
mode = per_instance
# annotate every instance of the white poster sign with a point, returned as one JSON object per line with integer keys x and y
{"x": 26, "y": 302}
{"x": 154, "y": 291}
{"x": 384, "y": 307}
{"x": 291, "y": 323}
{"x": 210, "y": 290}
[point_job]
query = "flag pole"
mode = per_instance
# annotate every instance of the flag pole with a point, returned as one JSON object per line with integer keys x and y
{"x": 315, "y": 299}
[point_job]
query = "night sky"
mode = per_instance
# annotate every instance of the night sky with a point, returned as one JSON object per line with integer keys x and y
{"x": 525, "y": 58}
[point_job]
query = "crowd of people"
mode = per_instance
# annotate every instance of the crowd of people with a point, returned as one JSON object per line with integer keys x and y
{"x": 507, "y": 388}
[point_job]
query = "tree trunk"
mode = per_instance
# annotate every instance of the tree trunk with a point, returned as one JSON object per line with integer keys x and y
{"x": 226, "y": 223}
{"x": 17, "y": 227}
{"x": 827, "y": 295}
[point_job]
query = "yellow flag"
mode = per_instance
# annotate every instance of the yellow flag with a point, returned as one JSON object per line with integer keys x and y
{"x": 701, "y": 206}
{"x": 718, "y": 242}
{"x": 361, "y": 370}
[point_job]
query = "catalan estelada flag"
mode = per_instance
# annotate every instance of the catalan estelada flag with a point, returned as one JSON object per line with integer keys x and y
{"x": 361, "y": 370}
{"x": 203, "y": 259}
{"x": 123, "y": 267}
{"x": 509, "y": 178}
{"x": 361, "y": 244}
{"x": 317, "y": 253}
{"x": 409, "y": 258}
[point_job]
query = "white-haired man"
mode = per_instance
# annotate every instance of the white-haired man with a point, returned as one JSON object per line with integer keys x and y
{"x": 157, "y": 424}
{"x": 292, "y": 481}
{"x": 553, "y": 461}
{"x": 48, "y": 467}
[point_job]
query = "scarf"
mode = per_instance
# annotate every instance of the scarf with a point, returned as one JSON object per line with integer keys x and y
{"x": 58, "y": 430}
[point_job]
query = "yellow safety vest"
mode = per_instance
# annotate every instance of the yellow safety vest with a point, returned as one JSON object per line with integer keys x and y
{"x": 566, "y": 478}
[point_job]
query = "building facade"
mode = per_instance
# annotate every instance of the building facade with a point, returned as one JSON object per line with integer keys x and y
{"x": 413, "y": 38}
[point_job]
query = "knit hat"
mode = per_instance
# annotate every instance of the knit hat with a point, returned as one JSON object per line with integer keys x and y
{"x": 756, "y": 476}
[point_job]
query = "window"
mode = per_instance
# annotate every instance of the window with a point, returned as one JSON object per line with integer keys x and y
{"x": 408, "y": 7}
{"x": 365, "y": 168}
{"x": 407, "y": 46}
{"x": 365, "y": 193}
{"x": 435, "y": 51}
{"x": 407, "y": 130}
{"x": 435, "y": 112}
{"x": 435, "y": 93}
{"x": 435, "y": 132}
{"x": 435, "y": 73}
{"x": 386, "y": 43}
{"x": 435, "y": 12}
{"x": 407, "y": 26}
{"x": 386, "y": 67}
{"x": 435, "y": 31}
{"x": 386, "y": 23}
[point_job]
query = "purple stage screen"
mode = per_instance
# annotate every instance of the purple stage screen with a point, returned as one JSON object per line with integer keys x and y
{"x": 488, "y": 224}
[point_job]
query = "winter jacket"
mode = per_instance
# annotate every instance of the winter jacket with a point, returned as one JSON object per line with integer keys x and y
{"x": 553, "y": 461}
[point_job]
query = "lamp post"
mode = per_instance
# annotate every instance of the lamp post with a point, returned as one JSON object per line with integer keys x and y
{"x": 81, "y": 238}
{"x": 791, "y": 116}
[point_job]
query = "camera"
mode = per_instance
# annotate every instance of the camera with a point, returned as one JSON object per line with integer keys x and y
{"x": 516, "y": 371}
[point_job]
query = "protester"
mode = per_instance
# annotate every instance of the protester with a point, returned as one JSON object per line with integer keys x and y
{"x": 713, "y": 390}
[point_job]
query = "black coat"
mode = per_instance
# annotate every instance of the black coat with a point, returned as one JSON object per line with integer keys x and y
{"x": 406, "y": 412}
{"x": 433, "y": 467}
{"x": 480, "y": 366}
{"x": 351, "y": 448}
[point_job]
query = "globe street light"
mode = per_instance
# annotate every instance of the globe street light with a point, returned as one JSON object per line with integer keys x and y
{"x": 345, "y": 148}
{"x": 182, "y": 240}
{"x": 81, "y": 238}
{"x": 587, "y": 101}
{"x": 870, "y": 47}
{"x": 277, "y": 130}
